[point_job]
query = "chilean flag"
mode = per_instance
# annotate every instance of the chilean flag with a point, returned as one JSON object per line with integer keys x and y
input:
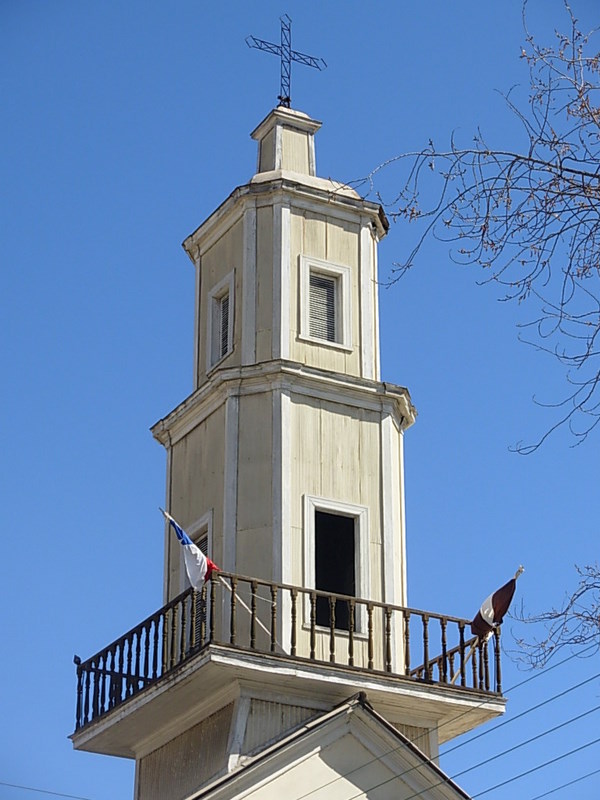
{"x": 199, "y": 568}
{"x": 494, "y": 607}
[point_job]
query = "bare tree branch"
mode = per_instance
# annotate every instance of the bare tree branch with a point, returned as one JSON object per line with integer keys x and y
{"x": 530, "y": 219}
{"x": 575, "y": 624}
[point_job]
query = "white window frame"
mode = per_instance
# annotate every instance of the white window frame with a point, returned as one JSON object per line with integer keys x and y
{"x": 213, "y": 337}
{"x": 202, "y": 527}
{"x": 362, "y": 571}
{"x": 342, "y": 275}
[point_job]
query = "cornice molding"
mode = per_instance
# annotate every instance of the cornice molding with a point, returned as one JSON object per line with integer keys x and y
{"x": 316, "y": 193}
{"x": 290, "y": 377}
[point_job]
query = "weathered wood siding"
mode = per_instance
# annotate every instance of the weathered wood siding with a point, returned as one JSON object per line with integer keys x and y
{"x": 264, "y": 283}
{"x": 269, "y": 721}
{"x": 295, "y": 151}
{"x": 181, "y": 766}
{"x": 331, "y": 240}
{"x": 197, "y": 465}
{"x": 267, "y": 152}
{"x": 421, "y": 737}
{"x": 255, "y": 478}
{"x": 223, "y": 257}
{"x": 336, "y": 455}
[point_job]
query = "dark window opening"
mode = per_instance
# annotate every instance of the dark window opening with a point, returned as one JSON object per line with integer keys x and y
{"x": 334, "y": 565}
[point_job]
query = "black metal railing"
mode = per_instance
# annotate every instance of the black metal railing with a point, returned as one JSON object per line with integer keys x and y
{"x": 262, "y": 616}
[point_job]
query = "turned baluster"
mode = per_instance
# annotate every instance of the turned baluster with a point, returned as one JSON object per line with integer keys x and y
{"x": 369, "y": 636}
{"x": 313, "y": 622}
{"x": 294, "y": 595}
{"x": 138, "y": 651}
{"x": 486, "y": 666}
{"x": 351, "y": 632}
{"x": 111, "y": 668}
{"x": 183, "y": 630}
{"x": 94, "y": 676}
{"x": 211, "y": 633}
{"x": 463, "y": 671}
{"x": 203, "y": 615}
{"x": 155, "y": 648}
{"x": 427, "y": 665}
{"x": 127, "y": 678}
{"x": 120, "y": 679}
{"x": 165, "y": 642}
{"x": 497, "y": 660}
{"x": 103, "y": 699}
{"x": 254, "y": 588}
{"x": 444, "y": 656}
{"x": 273, "y": 617}
{"x": 388, "y": 639}
{"x": 86, "y": 697}
{"x": 193, "y": 619}
{"x": 332, "y": 629}
{"x": 77, "y": 662}
{"x": 406, "y": 617}
{"x": 173, "y": 639}
{"x": 232, "y": 619}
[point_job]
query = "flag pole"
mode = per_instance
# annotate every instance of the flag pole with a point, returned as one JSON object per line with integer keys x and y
{"x": 464, "y": 663}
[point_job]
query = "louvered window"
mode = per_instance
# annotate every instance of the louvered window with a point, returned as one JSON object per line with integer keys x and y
{"x": 220, "y": 321}
{"x": 322, "y": 312}
{"x": 325, "y": 312}
{"x": 223, "y": 325}
{"x": 202, "y": 542}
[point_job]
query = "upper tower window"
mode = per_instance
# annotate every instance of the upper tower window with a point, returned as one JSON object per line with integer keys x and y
{"x": 325, "y": 311}
{"x": 220, "y": 321}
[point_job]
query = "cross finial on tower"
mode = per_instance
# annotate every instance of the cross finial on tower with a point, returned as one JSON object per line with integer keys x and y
{"x": 287, "y": 55}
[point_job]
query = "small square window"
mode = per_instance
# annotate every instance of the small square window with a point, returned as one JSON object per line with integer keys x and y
{"x": 325, "y": 303}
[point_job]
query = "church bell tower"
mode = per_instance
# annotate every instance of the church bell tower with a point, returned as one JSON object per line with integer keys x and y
{"x": 290, "y": 438}
{"x": 285, "y": 464}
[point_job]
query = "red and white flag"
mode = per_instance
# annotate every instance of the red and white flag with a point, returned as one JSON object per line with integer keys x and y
{"x": 494, "y": 607}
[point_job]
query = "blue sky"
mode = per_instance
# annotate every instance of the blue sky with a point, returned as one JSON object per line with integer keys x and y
{"x": 124, "y": 126}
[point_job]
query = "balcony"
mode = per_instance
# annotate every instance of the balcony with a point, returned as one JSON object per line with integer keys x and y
{"x": 244, "y": 626}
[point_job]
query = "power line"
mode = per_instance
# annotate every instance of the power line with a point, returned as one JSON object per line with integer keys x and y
{"x": 43, "y": 791}
{"x": 527, "y": 741}
{"x": 487, "y": 761}
{"x": 535, "y": 769}
{"x": 490, "y": 730}
{"x": 564, "y": 785}
{"x": 512, "y": 688}
{"x": 521, "y": 714}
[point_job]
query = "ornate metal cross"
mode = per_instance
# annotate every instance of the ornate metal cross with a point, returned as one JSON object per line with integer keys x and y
{"x": 284, "y": 50}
